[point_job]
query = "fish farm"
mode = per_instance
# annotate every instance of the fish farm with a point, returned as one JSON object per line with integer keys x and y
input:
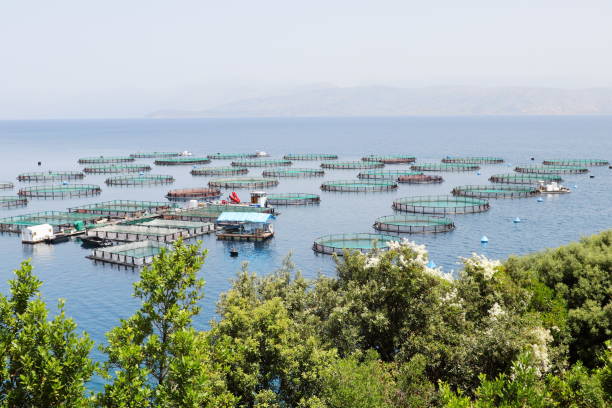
{"x": 6, "y": 185}
{"x": 231, "y": 156}
{"x": 473, "y": 160}
{"x": 144, "y": 180}
{"x": 441, "y": 204}
{"x": 413, "y": 224}
{"x": 219, "y": 171}
{"x": 352, "y": 165}
{"x": 134, "y": 254}
{"x": 293, "y": 199}
{"x": 154, "y": 155}
{"x": 392, "y": 159}
{"x": 362, "y": 242}
{"x": 105, "y": 159}
{"x": 386, "y": 174}
{"x": 420, "y": 178}
{"x": 524, "y": 178}
{"x": 576, "y": 162}
{"x": 12, "y": 201}
{"x": 359, "y": 185}
{"x": 179, "y": 161}
{"x": 293, "y": 172}
{"x": 495, "y": 191}
{"x": 311, "y": 156}
{"x": 194, "y": 229}
{"x": 185, "y": 194}
{"x": 261, "y": 163}
{"x": 243, "y": 182}
{"x": 551, "y": 169}
{"x": 51, "y": 176}
{"x": 57, "y": 219}
{"x": 445, "y": 167}
{"x": 117, "y": 168}
{"x": 208, "y": 212}
{"x": 134, "y": 233}
{"x": 60, "y": 191}
{"x": 122, "y": 208}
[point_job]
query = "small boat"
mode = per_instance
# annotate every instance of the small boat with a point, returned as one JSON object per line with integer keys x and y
{"x": 185, "y": 153}
{"x": 261, "y": 153}
{"x": 95, "y": 242}
{"x": 58, "y": 239}
{"x": 233, "y": 252}
{"x": 552, "y": 188}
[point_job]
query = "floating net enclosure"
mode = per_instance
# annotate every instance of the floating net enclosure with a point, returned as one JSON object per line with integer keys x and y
{"x": 185, "y": 194}
{"x": 123, "y": 208}
{"x": 473, "y": 160}
{"x": 293, "y": 199}
{"x": 420, "y": 178}
{"x": 60, "y": 191}
{"x": 551, "y": 169}
{"x": 351, "y": 165}
{"x": 359, "y": 185}
{"x": 261, "y": 163}
{"x": 154, "y": 155}
{"x": 363, "y": 242}
{"x": 231, "y": 156}
{"x": 293, "y": 172}
{"x": 116, "y": 168}
{"x": 219, "y": 171}
{"x": 210, "y": 212}
{"x": 144, "y": 180}
{"x": 243, "y": 182}
{"x": 445, "y": 167}
{"x": 390, "y": 159}
{"x": 12, "y": 201}
{"x": 6, "y": 185}
{"x": 133, "y": 233}
{"x": 134, "y": 254}
{"x": 311, "y": 156}
{"x": 386, "y": 174}
{"x": 183, "y": 160}
{"x": 441, "y": 204}
{"x": 524, "y": 178}
{"x": 105, "y": 159}
{"x": 57, "y": 219}
{"x": 495, "y": 191}
{"x": 413, "y": 224}
{"x": 51, "y": 176}
{"x": 576, "y": 162}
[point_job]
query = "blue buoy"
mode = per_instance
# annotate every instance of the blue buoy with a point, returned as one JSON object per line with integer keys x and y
{"x": 540, "y": 199}
{"x": 516, "y": 220}
{"x": 431, "y": 264}
{"x": 478, "y": 173}
{"x": 575, "y": 186}
{"x": 484, "y": 239}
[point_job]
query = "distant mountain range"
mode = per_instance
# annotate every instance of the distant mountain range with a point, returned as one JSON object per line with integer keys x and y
{"x": 428, "y": 101}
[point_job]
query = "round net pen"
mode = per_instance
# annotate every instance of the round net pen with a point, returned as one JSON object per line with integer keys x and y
{"x": 311, "y": 156}
{"x": 445, "y": 167}
{"x": 391, "y": 159}
{"x": 576, "y": 162}
{"x": 180, "y": 161}
{"x": 495, "y": 191}
{"x": 293, "y": 199}
{"x": 420, "y": 178}
{"x": 551, "y": 169}
{"x": 186, "y": 194}
{"x": 219, "y": 171}
{"x": 50, "y": 176}
{"x": 231, "y": 156}
{"x": 105, "y": 159}
{"x": 243, "y": 182}
{"x": 117, "y": 168}
{"x": 354, "y": 186}
{"x": 6, "y": 185}
{"x": 293, "y": 172}
{"x": 12, "y": 201}
{"x": 144, "y": 180}
{"x": 386, "y": 174}
{"x": 473, "y": 160}
{"x": 351, "y": 165}
{"x": 60, "y": 191}
{"x": 441, "y": 204}
{"x": 154, "y": 155}
{"x": 413, "y": 224}
{"x": 261, "y": 163}
{"x": 524, "y": 178}
{"x": 362, "y": 242}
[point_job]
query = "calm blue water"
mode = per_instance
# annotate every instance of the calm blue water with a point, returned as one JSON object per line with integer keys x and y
{"x": 97, "y": 295}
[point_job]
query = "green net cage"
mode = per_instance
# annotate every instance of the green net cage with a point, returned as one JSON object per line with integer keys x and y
{"x": 124, "y": 208}
{"x": 524, "y": 178}
{"x": 261, "y": 163}
{"x": 359, "y": 185}
{"x": 293, "y": 199}
{"x": 219, "y": 171}
{"x": 243, "y": 182}
{"x": 386, "y": 174}
{"x": 201, "y": 193}
{"x": 140, "y": 180}
{"x": 445, "y": 167}
{"x": 420, "y": 179}
{"x": 55, "y": 218}
{"x": 310, "y": 156}
{"x": 352, "y": 165}
{"x": 551, "y": 169}
{"x": 210, "y": 212}
{"x": 154, "y": 155}
{"x": 576, "y": 162}
{"x": 495, "y": 191}
{"x": 105, "y": 159}
{"x": 293, "y": 172}
{"x": 60, "y": 191}
{"x": 473, "y": 160}
{"x": 50, "y": 176}
{"x": 180, "y": 161}
{"x": 413, "y": 224}
{"x": 441, "y": 204}
{"x": 12, "y": 201}
{"x": 116, "y": 168}
{"x": 362, "y": 242}
{"x": 6, "y": 185}
{"x": 131, "y": 255}
{"x": 390, "y": 159}
{"x": 231, "y": 156}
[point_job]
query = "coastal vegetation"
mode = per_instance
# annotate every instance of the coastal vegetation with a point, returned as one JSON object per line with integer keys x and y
{"x": 387, "y": 331}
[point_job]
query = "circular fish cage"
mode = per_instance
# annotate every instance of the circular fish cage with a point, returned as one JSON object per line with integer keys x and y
{"x": 495, "y": 191}
{"x": 293, "y": 199}
{"x": 60, "y": 191}
{"x": 524, "y": 178}
{"x": 473, "y": 160}
{"x": 146, "y": 180}
{"x": 186, "y": 194}
{"x": 440, "y": 204}
{"x": 576, "y": 162}
{"x": 390, "y": 159}
{"x": 445, "y": 167}
{"x": 179, "y": 161}
{"x": 154, "y": 155}
{"x": 362, "y": 242}
{"x": 231, "y": 156}
{"x": 413, "y": 224}
{"x": 311, "y": 156}
{"x": 116, "y": 168}
{"x": 12, "y": 201}
{"x": 261, "y": 163}
{"x": 6, "y": 185}
{"x": 551, "y": 169}
{"x": 219, "y": 171}
{"x": 386, "y": 174}
{"x": 243, "y": 182}
{"x": 352, "y": 165}
{"x": 420, "y": 178}
{"x": 50, "y": 176}
{"x": 293, "y": 172}
{"x": 354, "y": 186}
{"x": 105, "y": 159}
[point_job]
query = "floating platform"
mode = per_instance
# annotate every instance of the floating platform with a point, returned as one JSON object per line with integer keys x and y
{"x": 58, "y": 219}
{"x": 441, "y": 204}
{"x": 219, "y": 171}
{"x": 293, "y": 172}
{"x": 359, "y": 185}
{"x": 50, "y": 176}
{"x": 180, "y": 161}
{"x": 144, "y": 180}
{"x": 209, "y": 212}
{"x": 231, "y": 156}
{"x": 414, "y": 224}
{"x": 135, "y": 254}
{"x": 420, "y": 179}
{"x": 60, "y": 191}
{"x": 293, "y": 199}
{"x": 185, "y": 194}
{"x": 6, "y": 185}
{"x": 386, "y": 174}
{"x": 362, "y": 242}
{"x": 261, "y": 163}
{"x": 154, "y": 155}
{"x": 351, "y": 165}
{"x": 12, "y": 201}
{"x": 445, "y": 167}
{"x": 495, "y": 191}
{"x": 116, "y": 168}
{"x": 310, "y": 156}
{"x": 105, "y": 159}
{"x": 576, "y": 162}
{"x": 122, "y": 208}
{"x": 473, "y": 160}
{"x": 243, "y": 182}
{"x": 551, "y": 169}
{"x": 193, "y": 228}
{"x": 524, "y": 178}
{"x": 390, "y": 159}
{"x": 133, "y": 233}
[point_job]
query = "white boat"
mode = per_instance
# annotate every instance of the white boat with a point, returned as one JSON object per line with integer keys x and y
{"x": 552, "y": 188}
{"x": 261, "y": 153}
{"x": 185, "y": 153}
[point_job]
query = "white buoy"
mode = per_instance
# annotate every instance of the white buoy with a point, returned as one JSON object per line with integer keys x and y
{"x": 575, "y": 186}
{"x": 484, "y": 239}
{"x": 516, "y": 220}
{"x": 540, "y": 199}
{"x": 431, "y": 264}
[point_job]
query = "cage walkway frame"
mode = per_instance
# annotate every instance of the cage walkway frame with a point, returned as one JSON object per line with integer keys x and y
{"x": 243, "y": 182}
{"x": 495, "y": 191}
{"x": 293, "y": 199}
{"x": 6, "y": 185}
{"x": 473, "y": 160}
{"x": 524, "y": 178}
{"x": 60, "y": 191}
{"x": 293, "y": 172}
{"x": 390, "y": 159}
{"x": 362, "y": 242}
{"x": 355, "y": 186}
{"x": 261, "y": 163}
{"x": 122, "y": 208}
{"x": 12, "y": 201}
{"x": 154, "y": 155}
{"x": 576, "y": 162}
{"x": 105, "y": 159}
{"x": 50, "y": 176}
{"x": 351, "y": 165}
{"x": 551, "y": 169}
{"x": 140, "y": 180}
{"x": 413, "y": 224}
{"x": 181, "y": 161}
{"x": 57, "y": 219}
{"x": 452, "y": 167}
{"x": 116, "y": 168}
{"x": 441, "y": 204}
{"x": 185, "y": 194}
{"x": 420, "y": 179}
{"x": 386, "y": 174}
{"x": 231, "y": 156}
{"x": 310, "y": 156}
{"x": 219, "y": 171}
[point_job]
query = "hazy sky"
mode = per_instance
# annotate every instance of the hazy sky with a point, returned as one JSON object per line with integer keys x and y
{"x": 110, "y": 58}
